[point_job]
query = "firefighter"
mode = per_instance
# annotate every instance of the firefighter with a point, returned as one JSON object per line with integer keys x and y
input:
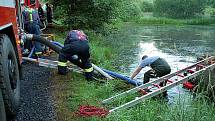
{"x": 49, "y": 13}
{"x": 32, "y": 21}
{"x": 159, "y": 68}
{"x": 41, "y": 16}
{"x": 76, "y": 50}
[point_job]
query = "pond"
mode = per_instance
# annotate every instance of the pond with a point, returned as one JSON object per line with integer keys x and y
{"x": 178, "y": 45}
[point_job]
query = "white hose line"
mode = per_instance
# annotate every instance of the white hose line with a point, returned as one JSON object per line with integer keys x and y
{"x": 102, "y": 72}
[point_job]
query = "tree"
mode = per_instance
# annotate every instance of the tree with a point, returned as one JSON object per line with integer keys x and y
{"x": 85, "y": 13}
{"x": 178, "y": 8}
{"x": 147, "y": 6}
{"x": 211, "y": 3}
{"x": 94, "y": 13}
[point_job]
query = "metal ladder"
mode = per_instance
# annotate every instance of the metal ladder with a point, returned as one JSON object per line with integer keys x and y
{"x": 54, "y": 64}
{"x": 203, "y": 65}
{"x": 49, "y": 63}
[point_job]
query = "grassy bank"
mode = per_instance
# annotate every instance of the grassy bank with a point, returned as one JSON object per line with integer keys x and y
{"x": 73, "y": 90}
{"x": 168, "y": 21}
{"x": 149, "y": 19}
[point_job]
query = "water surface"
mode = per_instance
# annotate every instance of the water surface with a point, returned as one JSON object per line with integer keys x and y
{"x": 178, "y": 45}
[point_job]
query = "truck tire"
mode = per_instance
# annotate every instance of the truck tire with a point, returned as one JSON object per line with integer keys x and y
{"x": 9, "y": 76}
{"x": 2, "y": 109}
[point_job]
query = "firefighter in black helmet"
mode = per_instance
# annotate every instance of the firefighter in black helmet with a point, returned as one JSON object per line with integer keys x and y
{"x": 76, "y": 50}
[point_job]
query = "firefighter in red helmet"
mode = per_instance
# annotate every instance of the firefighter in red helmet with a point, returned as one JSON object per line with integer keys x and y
{"x": 76, "y": 50}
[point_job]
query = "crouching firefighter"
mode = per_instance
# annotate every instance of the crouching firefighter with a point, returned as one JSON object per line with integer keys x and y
{"x": 76, "y": 50}
{"x": 159, "y": 68}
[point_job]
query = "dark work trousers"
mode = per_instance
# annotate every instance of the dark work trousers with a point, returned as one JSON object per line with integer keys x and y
{"x": 82, "y": 61}
{"x": 49, "y": 14}
{"x": 159, "y": 68}
{"x": 34, "y": 28}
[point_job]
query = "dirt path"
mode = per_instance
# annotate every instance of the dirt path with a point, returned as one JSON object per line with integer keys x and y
{"x": 37, "y": 102}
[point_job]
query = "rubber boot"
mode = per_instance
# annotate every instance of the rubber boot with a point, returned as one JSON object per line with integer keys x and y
{"x": 89, "y": 76}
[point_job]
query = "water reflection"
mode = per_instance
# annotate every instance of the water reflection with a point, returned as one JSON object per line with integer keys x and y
{"x": 179, "y": 45}
{"x": 148, "y": 48}
{"x": 176, "y": 62}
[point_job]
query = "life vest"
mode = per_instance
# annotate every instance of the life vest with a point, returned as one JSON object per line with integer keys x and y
{"x": 30, "y": 11}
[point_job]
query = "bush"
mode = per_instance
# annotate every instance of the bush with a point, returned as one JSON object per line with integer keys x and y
{"x": 93, "y": 14}
{"x": 211, "y": 3}
{"x": 178, "y": 8}
{"x": 85, "y": 14}
{"x": 127, "y": 10}
{"x": 209, "y": 11}
{"x": 147, "y": 6}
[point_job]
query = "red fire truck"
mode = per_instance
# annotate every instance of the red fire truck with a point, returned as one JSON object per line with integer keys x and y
{"x": 10, "y": 58}
{"x": 11, "y": 26}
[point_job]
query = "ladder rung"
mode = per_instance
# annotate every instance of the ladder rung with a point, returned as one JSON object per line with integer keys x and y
{"x": 211, "y": 62}
{"x": 156, "y": 85}
{"x": 143, "y": 92}
{"x": 170, "y": 81}
{"x": 150, "y": 87}
{"x": 199, "y": 65}
{"x": 190, "y": 71}
{"x": 180, "y": 75}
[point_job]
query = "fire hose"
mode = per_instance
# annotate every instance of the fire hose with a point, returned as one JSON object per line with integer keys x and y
{"x": 57, "y": 48}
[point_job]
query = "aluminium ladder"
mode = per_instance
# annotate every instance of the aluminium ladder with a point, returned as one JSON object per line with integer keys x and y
{"x": 203, "y": 65}
{"x": 54, "y": 64}
{"x": 48, "y": 63}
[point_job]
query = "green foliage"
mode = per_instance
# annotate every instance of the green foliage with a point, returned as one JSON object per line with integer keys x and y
{"x": 147, "y": 6}
{"x": 155, "y": 109}
{"x": 85, "y": 13}
{"x": 100, "y": 53}
{"x": 209, "y": 11}
{"x": 159, "y": 21}
{"x": 93, "y": 14}
{"x": 210, "y": 3}
{"x": 127, "y": 10}
{"x": 178, "y": 8}
{"x": 201, "y": 21}
{"x": 171, "y": 21}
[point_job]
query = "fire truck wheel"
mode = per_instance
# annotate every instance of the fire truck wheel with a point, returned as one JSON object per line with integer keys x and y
{"x": 9, "y": 76}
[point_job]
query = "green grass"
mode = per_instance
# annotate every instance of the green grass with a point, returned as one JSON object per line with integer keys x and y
{"x": 100, "y": 54}
{"x": 169, "y": 21}
{"x": 92, "y": 93}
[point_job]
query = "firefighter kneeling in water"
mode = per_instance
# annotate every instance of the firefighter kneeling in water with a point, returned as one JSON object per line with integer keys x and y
{"x": 76, "y": 50}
